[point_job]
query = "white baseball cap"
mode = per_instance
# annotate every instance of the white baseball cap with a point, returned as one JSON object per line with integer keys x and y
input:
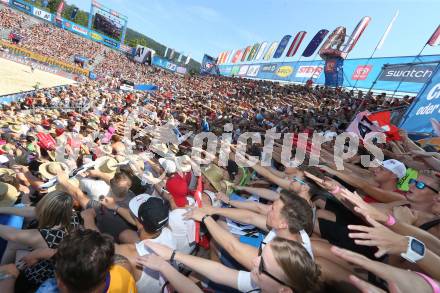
{"x": 169, "y": 165}
{"x": 395, "y": 166}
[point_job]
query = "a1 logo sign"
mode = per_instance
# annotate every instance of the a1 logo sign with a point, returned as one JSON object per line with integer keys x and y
{"x": 434, "y": 93}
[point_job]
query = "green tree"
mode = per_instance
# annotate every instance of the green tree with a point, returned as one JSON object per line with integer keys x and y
{"x": 53, "y": 5}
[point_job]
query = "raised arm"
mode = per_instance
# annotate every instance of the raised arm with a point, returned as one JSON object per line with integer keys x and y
{"x": 212, "y": 270}
{"x": 240, "y": 215}
{"x": 241, "y": 252}
{"x": 179, "y": 282}
{"x": 261, "y": 192}
{"x": 72, "y": 190}
{"x": 26, "y": 212}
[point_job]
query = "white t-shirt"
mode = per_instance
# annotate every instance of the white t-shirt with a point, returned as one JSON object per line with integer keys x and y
{"x": 152, "y": 281}
{"x": 244, "y": 282}
{"x": 306, "y": 243}
{"x": 182, "y": 230}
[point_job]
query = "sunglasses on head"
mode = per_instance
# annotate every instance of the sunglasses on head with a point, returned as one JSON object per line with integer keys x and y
{"x": 421, "y": 185}
{"x": 299, "y": 181}
{"x": 262, "y": 270}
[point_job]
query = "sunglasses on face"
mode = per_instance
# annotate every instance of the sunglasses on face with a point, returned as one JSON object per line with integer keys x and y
{"x": 421, "y": 185}
{"x": 262, "y": 270}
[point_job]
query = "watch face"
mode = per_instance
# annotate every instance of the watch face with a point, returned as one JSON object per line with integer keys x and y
{"x": 418, "y": 247}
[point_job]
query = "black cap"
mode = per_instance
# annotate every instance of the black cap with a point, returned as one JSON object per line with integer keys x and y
{"x": 153, "y": 214}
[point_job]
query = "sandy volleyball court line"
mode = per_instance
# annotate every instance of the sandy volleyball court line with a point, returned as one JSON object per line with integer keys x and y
{"x": 16, "y": 77}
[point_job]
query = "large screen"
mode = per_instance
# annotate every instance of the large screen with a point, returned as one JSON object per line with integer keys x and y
{"x": 109, "y": 26}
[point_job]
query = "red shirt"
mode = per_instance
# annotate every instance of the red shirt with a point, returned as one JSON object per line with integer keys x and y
{"x": 178, "y": 187}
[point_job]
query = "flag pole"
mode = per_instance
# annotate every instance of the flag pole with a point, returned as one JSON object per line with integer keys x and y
{"x": 401, "y": 80}
{"x": 379, "y": 44}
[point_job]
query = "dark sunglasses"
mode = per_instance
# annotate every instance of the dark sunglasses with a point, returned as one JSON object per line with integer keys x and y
{"x": 421, "y": 185}
{"x": 262, "y": 270}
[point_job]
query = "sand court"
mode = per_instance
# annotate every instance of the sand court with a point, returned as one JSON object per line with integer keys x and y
{"x": 16, "y": 77}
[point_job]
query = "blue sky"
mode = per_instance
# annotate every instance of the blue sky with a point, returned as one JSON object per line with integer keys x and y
{"x": 211, "y": 27}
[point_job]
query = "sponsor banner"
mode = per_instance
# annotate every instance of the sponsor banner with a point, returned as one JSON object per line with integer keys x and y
{"x": 361, "y": 72}
{"x": 425, "y": 107}
{"x": 243, "y": 70}
{"x": 253, "y": 70}
{"x": 309, "y": 71}
{"x": 271, "y": 67}
{"x": 111, "y": 43}
{"x": 79, "y": 29}
{"x": 171, "y": 66}
{"x": 52, "y": 61}
{"x": 181, "y": 70}
{"x": 267, "y": 71}
{"x": 23, "y": 6}
{"x": 235, "y": 70}
{"x": 284, "y": 71}
{"x": 42, "y": 14}
{"x": 407, "y": 73}
{"x": 95, "y": 36}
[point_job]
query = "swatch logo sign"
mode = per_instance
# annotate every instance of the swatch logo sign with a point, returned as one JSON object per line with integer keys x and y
{"x": 407, "y": 73}
{"x": 361, "y": 72}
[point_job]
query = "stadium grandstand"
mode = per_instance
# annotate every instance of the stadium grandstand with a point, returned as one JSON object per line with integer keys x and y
{"x": 291, "y": 165}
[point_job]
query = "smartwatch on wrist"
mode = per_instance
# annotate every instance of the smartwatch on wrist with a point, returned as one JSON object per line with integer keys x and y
{"x": 415, "y": 251}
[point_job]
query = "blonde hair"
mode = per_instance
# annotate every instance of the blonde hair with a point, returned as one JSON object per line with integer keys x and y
{"x": 55, "y": 209}
{"x": 301, "y": 271}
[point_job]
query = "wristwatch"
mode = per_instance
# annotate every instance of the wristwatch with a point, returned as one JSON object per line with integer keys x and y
{"x": 415, "y": 251}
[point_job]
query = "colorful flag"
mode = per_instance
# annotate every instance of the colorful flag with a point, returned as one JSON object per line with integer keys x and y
{"x": 314, "y": 43}
{"x": 382, "y": 40}
{"x": 282, "y": 46}
{"x": 188, "y": 59}
{"x": 237, "y": 56}
{"x": 261, "y": 51}
{"x": 231, "y": 54}
{"x": 270, "y": 51}
{"x": 296, "y": 43}
{"x": 434, "y": 40}
{"x": 357, "y": 33}
{"x": 60, "y": 9}
{"x": 246, "y": 53}
{"x": 253, "y": 52}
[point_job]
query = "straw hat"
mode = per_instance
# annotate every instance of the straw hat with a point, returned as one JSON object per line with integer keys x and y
{"x": 214, "y": 174}
{"x": 161, "y": 149}
{"x": 106, "y": 164}
{"x": 8, "y": 195}
{"x": 58, "y": 187}
{"x": 4, "y": 171}
{"x": 49, "y": 170}
{"x": 15, "y": 128}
